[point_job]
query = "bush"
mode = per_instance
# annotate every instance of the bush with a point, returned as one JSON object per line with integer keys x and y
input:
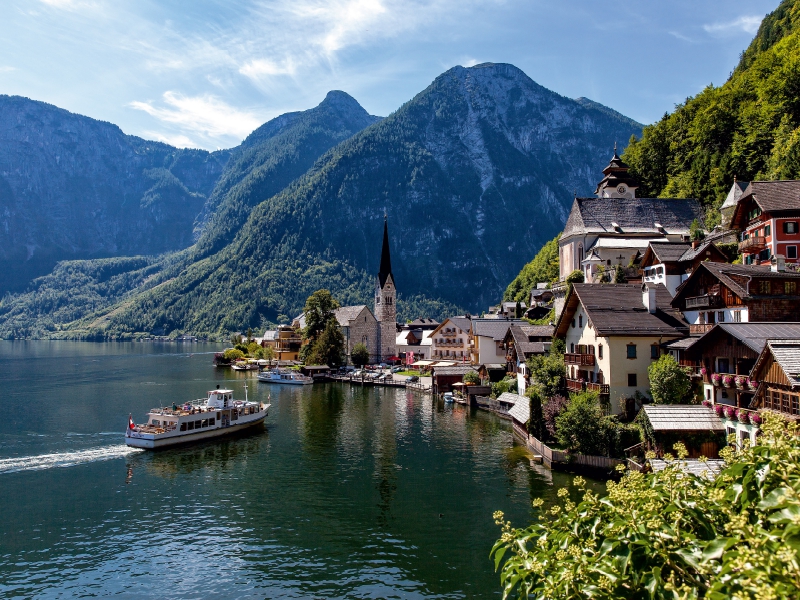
{"x": 359, "y": 355}
{"x": 669, "y": 534}
{"x": 472, "y": 378}
{"x": 579, "y": 427}
{"x": 548, "y": 370}
{"x": 232, "y": 354}
{"x": 509, "y": 384}
{"x": 551, "y": 409}
{"x": 669, "y": 382}
{"x": 536, "y": 426}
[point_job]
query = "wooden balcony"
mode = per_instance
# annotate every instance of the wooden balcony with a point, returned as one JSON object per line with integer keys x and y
{"x": 578, "y": 385}
{"x": 755, "y": 243}
{"x": 705, "y": 301}
{"x": 584, "y": 360}
{"x": 700, "y": 328}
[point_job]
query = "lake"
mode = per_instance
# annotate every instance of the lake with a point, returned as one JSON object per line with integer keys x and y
{"x": 345, "y": 493}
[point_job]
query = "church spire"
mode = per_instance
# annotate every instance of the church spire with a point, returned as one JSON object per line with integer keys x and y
{"x": 386, "y": 259}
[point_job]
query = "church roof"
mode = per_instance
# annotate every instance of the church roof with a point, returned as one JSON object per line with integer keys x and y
{"x": 632, "y": 215}
{"x": 345, "y": 314}
{"x": 386, "y": 258}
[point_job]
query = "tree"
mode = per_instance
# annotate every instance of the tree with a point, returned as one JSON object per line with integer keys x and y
{"x": 579, "y": 427}
{"x": 328, "y": 349}
{"x": 669, "y": 382}
{"x": 268, "y": 354}
{"x": 670, "y": 534}
{"x": 548, "y": 370}
{"x": 551, "y": 409}
{"x": 319, "y": 309}
{"x": 575, "y": 277}
{"x": 359, "y": 355}
{"x": 536, "y": 425}
{"x": 232, "y": 354}
{"x": 543, "y": 268}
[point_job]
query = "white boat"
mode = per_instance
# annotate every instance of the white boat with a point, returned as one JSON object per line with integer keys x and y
{"x": 285, "y": 377}
{"x": 245, "y": 366}
{"x": 448, "y": 397}
{"x": 216, "y": 415}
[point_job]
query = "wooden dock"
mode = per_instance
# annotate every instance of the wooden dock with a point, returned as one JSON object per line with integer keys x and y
{"x": 417, "y": 387}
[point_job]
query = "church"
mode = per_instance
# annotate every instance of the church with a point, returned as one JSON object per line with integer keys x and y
{"x": 377, "y": 328}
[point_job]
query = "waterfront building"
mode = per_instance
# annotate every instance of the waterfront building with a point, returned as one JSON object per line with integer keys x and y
{"x": 386, "y": 303}
{"x": 613, "y": 332}
{"x": 487, "y": 340}
{"x": 450, "y": 340}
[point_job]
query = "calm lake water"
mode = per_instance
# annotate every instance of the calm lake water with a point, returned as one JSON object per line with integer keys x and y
{"x": 345, "y": 493}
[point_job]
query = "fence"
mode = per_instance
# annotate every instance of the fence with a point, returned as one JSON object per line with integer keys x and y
{"x": 552, "y": 457}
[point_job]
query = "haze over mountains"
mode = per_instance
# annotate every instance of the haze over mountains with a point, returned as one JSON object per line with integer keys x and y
{"x": 475, "y": 174}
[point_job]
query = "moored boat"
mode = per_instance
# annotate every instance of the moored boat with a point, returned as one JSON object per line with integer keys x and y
{"x": 216, "y": 415}
{"x": 245, "y": 365}
{"x": 285, "y": 377}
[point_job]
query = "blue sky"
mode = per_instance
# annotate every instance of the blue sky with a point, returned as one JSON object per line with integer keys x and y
{"x": 204, "y": 73}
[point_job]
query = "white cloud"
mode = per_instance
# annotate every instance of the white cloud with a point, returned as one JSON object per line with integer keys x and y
{"x": 6, "y": 69}
{"x": 748, "y": 24}
{"x": 256, "y": 68}
{"x": 203, "y": 116}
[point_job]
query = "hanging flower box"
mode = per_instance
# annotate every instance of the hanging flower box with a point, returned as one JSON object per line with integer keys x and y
{"x": 741, "y": 382}
{"x": 730, "y": 413}
{"x": 719, "y": 409}
{"x": 727, "y": 380}
{"x": 703, "y": 371}
{"x": 752, "y": 384}
{"x": 755, "y": 418}
{"x": 743, "y": 416}
{"x": 707, "y": 403}
{"x": 716, "y": 379}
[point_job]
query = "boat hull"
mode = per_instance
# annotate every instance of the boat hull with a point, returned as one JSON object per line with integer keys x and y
{"x": 156, "y": 442}
{"x": 285, "y": 381}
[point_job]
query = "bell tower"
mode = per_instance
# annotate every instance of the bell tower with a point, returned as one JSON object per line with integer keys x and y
{"x": 616, "y": 183}
{"x": 385, "y": 298}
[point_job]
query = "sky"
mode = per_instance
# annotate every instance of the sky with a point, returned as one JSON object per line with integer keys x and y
{"x": 205, "y": 73}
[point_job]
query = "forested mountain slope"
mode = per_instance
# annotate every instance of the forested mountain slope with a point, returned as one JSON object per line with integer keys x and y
{"x": 475, "y": 173}
{"x": 75, "y": 187}
{"x": 749, "y": 127}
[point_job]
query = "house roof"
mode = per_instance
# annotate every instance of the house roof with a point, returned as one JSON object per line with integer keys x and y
{"x": 493, "y": 328}
{"x": 521, "y": 412}
{"x": 453, "y": 370}
{"x": 787, "y": 354}
{"x": 511, "y": 398}
{"x": 683, "y": 343}
{"x": 755, "y": 335}
{"x": 423, "y": 323}
{"x": 774, "y": 196}
{"x": 633, "y": 215}
{"x": 345, "y": 314}
{"x": 726, "y": 273}
{"x": 463, "y": 323}
{"x": 682, "y": 417}
{"x": 665, "y": 252}
{"x": 521, "y": 335}
{"x": 514, "y": 305}
{"x": 618, "y": 309}
{"x": 735, "y": 193}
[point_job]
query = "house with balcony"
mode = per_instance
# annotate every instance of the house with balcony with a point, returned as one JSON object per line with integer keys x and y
{"x": 615, "y": 227}
{"x": 672, "y": 263}
{"x": 723, "y": 358}
{"x": 416, "y": 342}
{"x": 725, "y": 293}
{"x": 777, "y": 372}
{"x": 521, "y": 343}
{"x": 768, "y": 214}
{"x": 451, "y": 340}
{"x": 487, "y": 337}
{"x": 613, "y": 332}
{"x": 285, "y": 342}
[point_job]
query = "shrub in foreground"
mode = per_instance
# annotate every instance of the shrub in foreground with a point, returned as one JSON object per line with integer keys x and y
{"x": 670, "y": 534}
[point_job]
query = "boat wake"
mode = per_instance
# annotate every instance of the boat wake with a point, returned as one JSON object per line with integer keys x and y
{"x": 64, "y": 459}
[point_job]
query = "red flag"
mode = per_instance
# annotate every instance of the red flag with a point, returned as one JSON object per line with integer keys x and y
{"x": 131, "y": 424}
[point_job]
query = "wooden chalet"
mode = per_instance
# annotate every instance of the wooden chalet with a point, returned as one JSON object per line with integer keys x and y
{"x": 672, "y": 263}
{"x": 725, "y": 293}
{"x": 777, "y": 372}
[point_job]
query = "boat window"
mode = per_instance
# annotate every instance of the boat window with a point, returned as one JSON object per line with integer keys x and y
{"x": 205, "y": 423}
{"x": 156, "y": 422}
{"x": 183, "y": 426}
{"x": 217, "y": 414}
{"x": 198, "y": 424}
{"x": 211, "y": 422}
{"x": 190, "y": 425}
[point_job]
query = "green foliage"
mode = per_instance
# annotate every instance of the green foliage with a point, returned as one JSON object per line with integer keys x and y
{"x": 696, "y": 232}
{"x": 232, "y": 354}
{"x": 580, "y": 427}
{"x": 472, "y": 378}
{"x": 359, "y": 355}
{"x": 669, "y": 382}
{"x": 328, "y": 349}
{"x": 619, "y": 274}
{"x": 543, "y": 268}
{"x": 575, "y": 277}
{"x": 547, "y": 370}
{"x": 669, "y": 535}
{"x": 507, "y": 384}
{"x": 319, "y": 310}
{"x": 749, "y": 127}
{"x": 536, "y": 425}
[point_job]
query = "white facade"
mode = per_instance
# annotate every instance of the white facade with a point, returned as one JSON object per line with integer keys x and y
{"x": 449, "y": 342}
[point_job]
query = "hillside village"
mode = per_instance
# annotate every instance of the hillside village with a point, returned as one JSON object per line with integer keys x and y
{"x": 640, "y": 282}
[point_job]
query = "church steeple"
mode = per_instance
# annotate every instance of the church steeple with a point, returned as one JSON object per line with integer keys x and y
{"x": 617, "y": 183}
{"x": 386, "y": 258}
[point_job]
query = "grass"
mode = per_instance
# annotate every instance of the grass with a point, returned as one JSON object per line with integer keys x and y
{"x": 409, "y": 373}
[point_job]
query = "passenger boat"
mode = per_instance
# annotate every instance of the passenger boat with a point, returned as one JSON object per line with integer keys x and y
{"x": 216, "y": 415}
{"x": 245, "y": 366}
{"x": 285, "y": 377}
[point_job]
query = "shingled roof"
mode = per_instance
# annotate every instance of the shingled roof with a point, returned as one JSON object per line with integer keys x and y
{"x": 787, "y": 354}
{"x": 755, "y": 335}
{"x": 633, "y": 215}
{"x": 774, "y": 196}
{"x": 521, "y": 335}
{"x": 345, "y": 314}
{"x": 682, "y": 417}
{"x": 493, "y": 328}
{"x": 734, "y": 277}
{"x": 618, "y": 309}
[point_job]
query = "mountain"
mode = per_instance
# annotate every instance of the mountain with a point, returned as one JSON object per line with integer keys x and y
{"x": 749, "y": 127}
{"x": 75, "y": 187}
{"x": 270, "y": 159}
{"x": 475, "y": 173}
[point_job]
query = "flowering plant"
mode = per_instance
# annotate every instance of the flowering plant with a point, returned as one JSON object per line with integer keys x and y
{"x": 727, "y": 380}
{"x": 706, "y": 402}
{"x": 755, "y": 418}
{"x": 716, "y": 378}
{"x": 719, "y": 409}
{"x": 743, "y": 416}
{"x": 741, "y": 381}
{"x": 730, "y": 413}
{"x": 703, "y": 371}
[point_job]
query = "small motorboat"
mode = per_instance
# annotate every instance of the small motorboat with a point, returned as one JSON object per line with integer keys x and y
{"x": 448, "y": 397}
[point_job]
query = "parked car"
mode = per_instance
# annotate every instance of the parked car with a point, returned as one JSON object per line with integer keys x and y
{"x": 413, "y": 379}
{"x": 396, "y": 369}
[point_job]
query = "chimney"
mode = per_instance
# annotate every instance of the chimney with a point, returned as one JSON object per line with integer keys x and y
{"x": 778, "y": 262}
{"x": 649, "y": 298}
{"x": 695, "y": 244}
